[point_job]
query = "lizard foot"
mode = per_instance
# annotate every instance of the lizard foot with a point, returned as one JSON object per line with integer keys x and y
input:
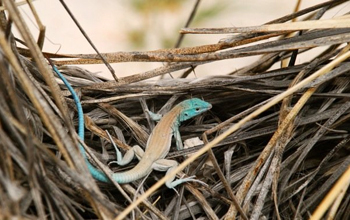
{"x": 127, "y": 158}
{"x": 174, "y": 183}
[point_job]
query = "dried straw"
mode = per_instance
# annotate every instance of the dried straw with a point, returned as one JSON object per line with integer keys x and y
{"x": 278, "y": 139}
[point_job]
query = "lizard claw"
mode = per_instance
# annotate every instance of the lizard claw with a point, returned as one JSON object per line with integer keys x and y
{"x": 176, "y": 191}
{"x": 113, "y": 162}
{"x": 192, "y": 179}
{"x": 184, "y": 180}
{"x": 118, "y": 153}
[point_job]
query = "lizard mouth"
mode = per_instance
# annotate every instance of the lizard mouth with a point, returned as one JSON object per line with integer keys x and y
{"x": 208, "y": 107}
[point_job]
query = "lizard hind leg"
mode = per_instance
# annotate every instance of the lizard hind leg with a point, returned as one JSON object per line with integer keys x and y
{"x": 129, "y": 155}
{"x": 169, "y": 166}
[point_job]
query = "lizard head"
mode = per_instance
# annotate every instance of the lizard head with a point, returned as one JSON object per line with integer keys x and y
{"x": 193, "y": 107}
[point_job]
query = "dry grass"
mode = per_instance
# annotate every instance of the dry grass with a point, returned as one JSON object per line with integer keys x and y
{"x": 278, "y": 137}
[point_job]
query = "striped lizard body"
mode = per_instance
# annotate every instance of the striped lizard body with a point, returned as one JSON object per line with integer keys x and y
{"x": 159, "y": 143}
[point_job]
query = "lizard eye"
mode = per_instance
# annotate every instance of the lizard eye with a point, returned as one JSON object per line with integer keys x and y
{"x": 197, "y": 109}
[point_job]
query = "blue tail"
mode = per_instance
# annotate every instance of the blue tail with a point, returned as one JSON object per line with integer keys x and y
{"x": 97, "y": 174}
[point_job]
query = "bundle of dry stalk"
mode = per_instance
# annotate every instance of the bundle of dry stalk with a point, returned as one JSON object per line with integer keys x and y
{"x": 278, "y": 137}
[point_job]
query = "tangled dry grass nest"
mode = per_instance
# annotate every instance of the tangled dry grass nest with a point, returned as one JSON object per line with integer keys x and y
{"x": 278, "y": 137}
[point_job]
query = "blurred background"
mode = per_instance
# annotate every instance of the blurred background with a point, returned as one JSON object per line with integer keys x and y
{"x": 139, "y": 25}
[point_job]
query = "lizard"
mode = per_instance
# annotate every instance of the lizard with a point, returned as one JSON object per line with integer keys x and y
{"x": 158, "y": 144}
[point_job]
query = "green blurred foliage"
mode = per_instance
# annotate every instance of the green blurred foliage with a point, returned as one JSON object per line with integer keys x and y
{"x": 155, "y": 6}
{"x": 205, "y": 14}
{"x": 161, "y": 20}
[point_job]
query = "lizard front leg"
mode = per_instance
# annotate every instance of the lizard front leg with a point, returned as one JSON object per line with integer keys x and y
{"x": 177, "y": 136}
